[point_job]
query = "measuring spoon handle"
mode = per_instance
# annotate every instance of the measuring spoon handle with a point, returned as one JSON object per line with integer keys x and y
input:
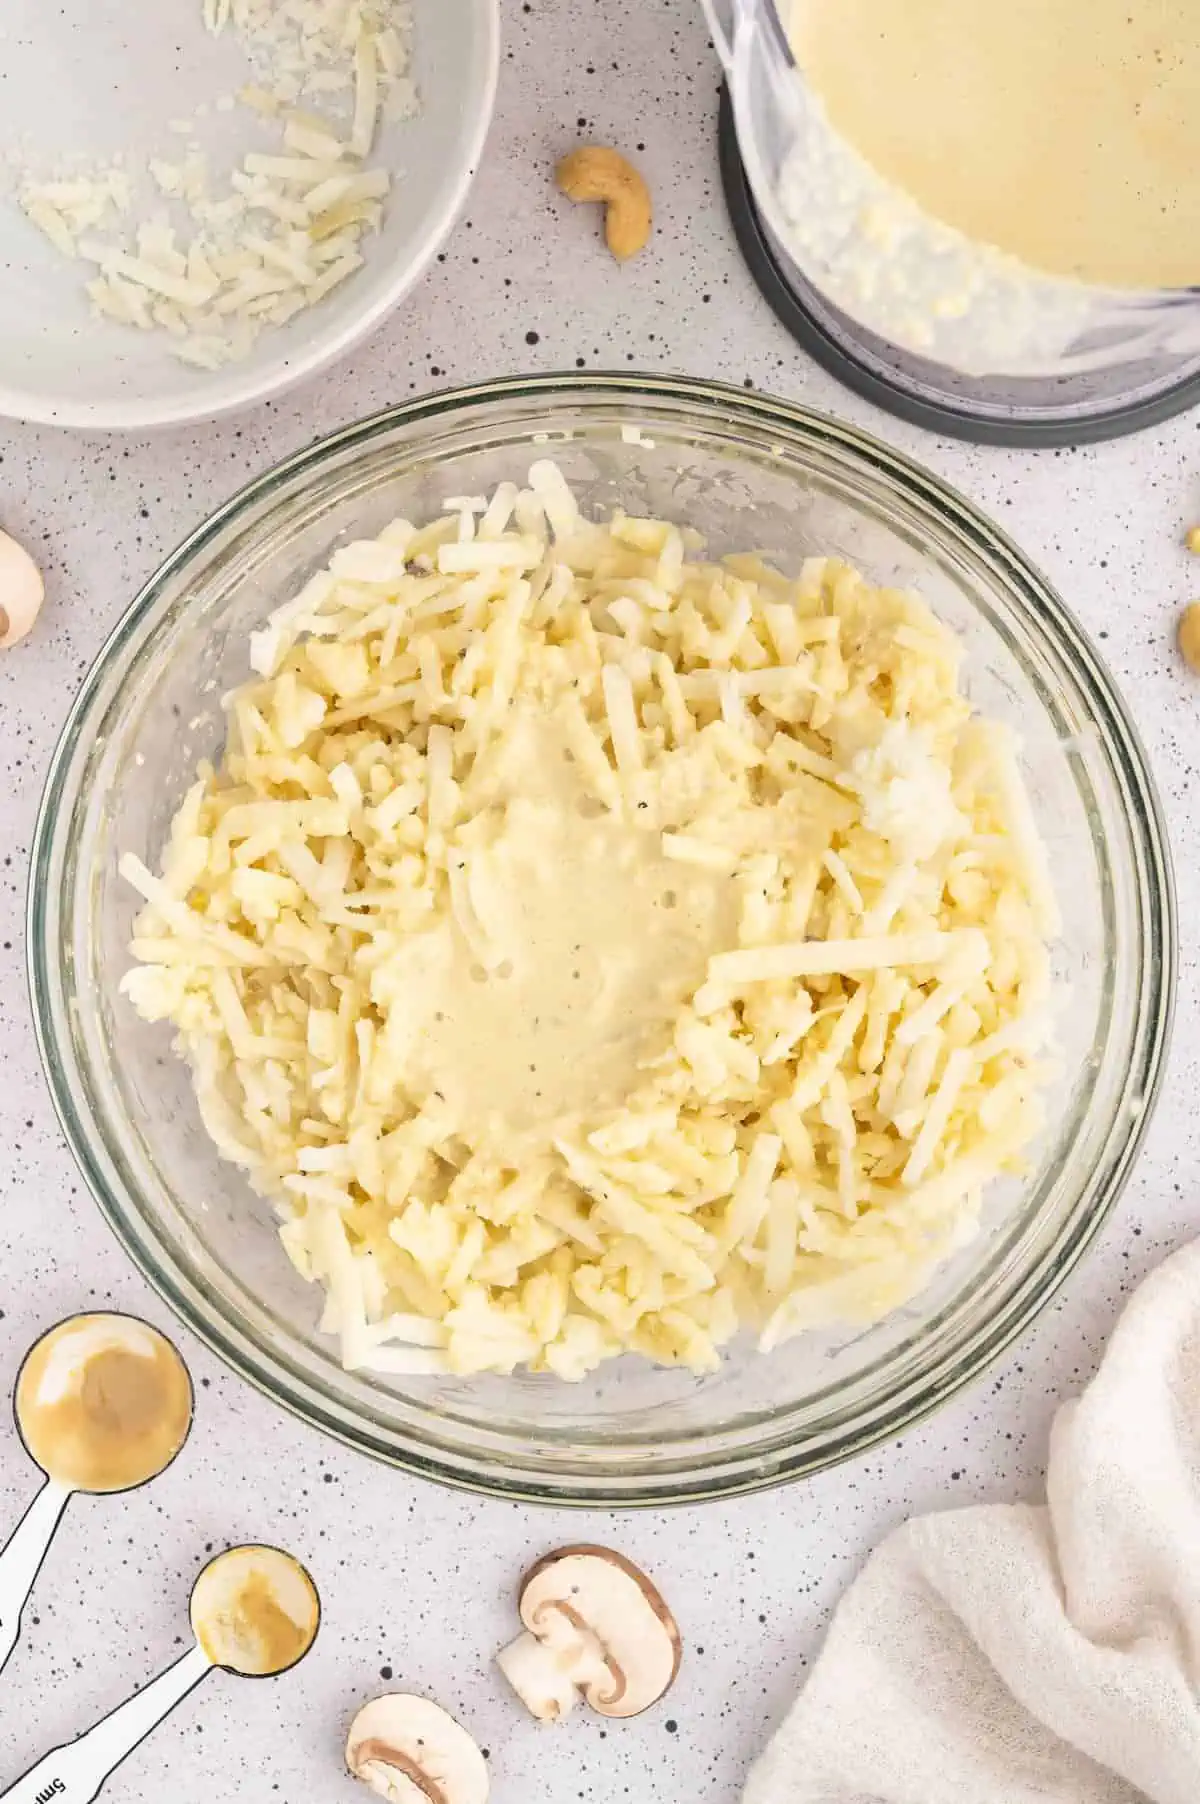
{"x": 73, "y": 1774}
{"x": 22, "y": 1557}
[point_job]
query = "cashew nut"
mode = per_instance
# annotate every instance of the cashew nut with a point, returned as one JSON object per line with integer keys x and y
{"x": 21, "y": 591}
{"x": 596, "y": 173}
{"x": 1189, "y": 636}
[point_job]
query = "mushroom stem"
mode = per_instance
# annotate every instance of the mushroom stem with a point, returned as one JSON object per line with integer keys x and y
{"x": 544, "y": 1674}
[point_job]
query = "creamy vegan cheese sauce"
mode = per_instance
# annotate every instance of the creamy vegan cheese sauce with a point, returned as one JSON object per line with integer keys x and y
{"x": 595, "y": 941}
{"x": 1065, "y": 132}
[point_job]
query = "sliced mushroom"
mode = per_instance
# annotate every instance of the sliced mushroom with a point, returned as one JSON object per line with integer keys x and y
{"x": 21, "y": 591}
{"x": 595, "y": 1626}
{"x": 413, "y": 1752}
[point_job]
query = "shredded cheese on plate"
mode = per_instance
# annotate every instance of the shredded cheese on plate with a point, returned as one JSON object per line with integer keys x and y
{"x": 210, "y": 261}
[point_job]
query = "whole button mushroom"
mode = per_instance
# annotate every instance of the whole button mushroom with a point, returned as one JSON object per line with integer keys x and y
{"x": 596, "y": 1627}
{"x": 21, "y": 591}
{"x": 413, "y": 1752}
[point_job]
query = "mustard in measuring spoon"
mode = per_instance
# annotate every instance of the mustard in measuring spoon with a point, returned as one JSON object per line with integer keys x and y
{"x": 103, "y": 1404}
{"x": 254, "y": 1610}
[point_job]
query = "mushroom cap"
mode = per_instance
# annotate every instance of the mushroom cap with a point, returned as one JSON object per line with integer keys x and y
{"x": 413, "y": 1752}
{"x": 602, "y": 1593}
{"x": 21, "y": 591}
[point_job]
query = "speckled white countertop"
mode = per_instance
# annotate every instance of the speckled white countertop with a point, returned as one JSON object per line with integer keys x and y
{"x": 417, "y": 1582}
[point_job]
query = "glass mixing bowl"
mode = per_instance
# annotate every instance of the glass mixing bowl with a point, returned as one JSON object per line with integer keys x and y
{"x": 751, "y": 472}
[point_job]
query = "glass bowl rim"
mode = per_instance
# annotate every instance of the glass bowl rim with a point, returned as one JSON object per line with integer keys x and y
{"x": 744, "y": 1472}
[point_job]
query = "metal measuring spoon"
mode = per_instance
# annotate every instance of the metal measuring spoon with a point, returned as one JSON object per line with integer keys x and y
{"x": 254, "y": 1611}
{"x": 103, "y": 1404}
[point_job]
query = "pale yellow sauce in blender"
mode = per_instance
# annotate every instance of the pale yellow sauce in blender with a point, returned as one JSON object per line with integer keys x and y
{"x": 1066, "y": 132}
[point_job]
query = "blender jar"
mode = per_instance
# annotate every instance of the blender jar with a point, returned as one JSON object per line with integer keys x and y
{"x": 953, "y": 333}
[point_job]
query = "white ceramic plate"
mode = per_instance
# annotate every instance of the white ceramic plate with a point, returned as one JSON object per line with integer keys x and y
{"x": 99, "y": 77}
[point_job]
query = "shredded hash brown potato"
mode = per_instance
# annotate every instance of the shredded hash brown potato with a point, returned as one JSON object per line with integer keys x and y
{"x": 592, "y": 949}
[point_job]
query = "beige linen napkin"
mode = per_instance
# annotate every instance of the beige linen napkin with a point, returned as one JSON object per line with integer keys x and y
{"x": 1009, "y": 1654}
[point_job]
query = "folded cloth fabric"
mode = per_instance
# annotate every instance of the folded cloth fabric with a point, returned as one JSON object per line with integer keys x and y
{"x": 1012, "y": 1654}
